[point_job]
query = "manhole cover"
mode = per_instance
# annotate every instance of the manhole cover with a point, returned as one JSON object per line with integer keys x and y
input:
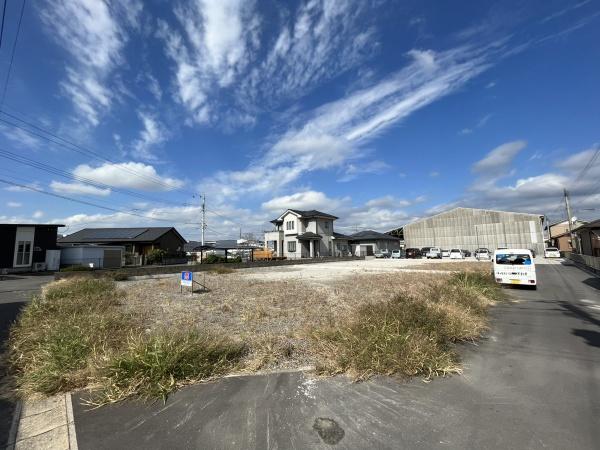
{"x": 328, "y": 430}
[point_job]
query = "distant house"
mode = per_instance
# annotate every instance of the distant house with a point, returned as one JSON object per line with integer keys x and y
{"x": 366, "y": 243}
{"x": 588, "y": 238}
{"x": 304, "y": 234}
{"x": 560, "y": 236}
{"x": 138, "y": 242}
{"x": 26, "y": 247}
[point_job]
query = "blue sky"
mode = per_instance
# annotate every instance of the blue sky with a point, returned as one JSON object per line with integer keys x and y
{"x": 378, "y": 112}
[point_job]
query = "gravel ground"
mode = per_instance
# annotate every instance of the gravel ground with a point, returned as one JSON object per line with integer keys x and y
{"x": 273, "y": 307}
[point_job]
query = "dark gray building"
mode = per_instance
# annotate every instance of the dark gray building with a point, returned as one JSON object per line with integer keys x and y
{"x": 367, "y": 242}
{"x": 23, "y": 246}
{"x": 138, "y": 242}
{"x": 471, "y": 228}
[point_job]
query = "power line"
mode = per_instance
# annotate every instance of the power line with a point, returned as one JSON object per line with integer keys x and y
{"x": 12, "y": 55}
{"x": 2, "y": 27}
{"x": 78, "y": 148}
{"x": 62, "y": 173}
{"x": 84, "y": 202}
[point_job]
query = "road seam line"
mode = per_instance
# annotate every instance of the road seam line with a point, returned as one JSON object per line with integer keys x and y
{"x": 70, "y": 422}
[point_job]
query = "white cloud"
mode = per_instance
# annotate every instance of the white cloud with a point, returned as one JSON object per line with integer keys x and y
{"x": 14, "y": 204}
{"x": 353, "y": 170}
{"x": 220, "y": 55}
{"x": 480, "y": 124}
{"x": 218, "y": 39}
{"x": 94, "y": 35}
{"x": 425, "y": 58}
{"x": 34, "y": 185}
{"x": 19, "y": 137}
{"x": 382, "y": 213}
{"x": 434, "y": 174}
{"x": 152, "y": 135}
{"x": 336, "y": 133}
{"x": 132, "y": 175}
{"x": 388, "y": 201}
{"x": 78, "y": 189}
{"x": 541, "y": 193}
{"x": 38, "y": 214}
{"x": 499, "y": 159}
{"x": 304, "y": 201}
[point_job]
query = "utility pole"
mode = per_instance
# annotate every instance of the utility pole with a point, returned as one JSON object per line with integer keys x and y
{"x": 569, "y": 216}
{"x": 203, "y": 223}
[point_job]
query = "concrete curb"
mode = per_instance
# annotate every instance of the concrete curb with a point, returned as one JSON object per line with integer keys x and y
{"x": 45, "y": 424}
{"x": 14, "y": 427}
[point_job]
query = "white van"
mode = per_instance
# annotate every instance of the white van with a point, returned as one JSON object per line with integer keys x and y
{"x": 514, "y": 266}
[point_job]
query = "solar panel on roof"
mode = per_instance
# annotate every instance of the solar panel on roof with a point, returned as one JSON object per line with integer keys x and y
{"x": 114, "y": 233}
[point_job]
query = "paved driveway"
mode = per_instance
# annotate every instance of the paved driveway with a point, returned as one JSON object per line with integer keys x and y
{"x": 15, "y": 291}
{"x": 533, "y": 383}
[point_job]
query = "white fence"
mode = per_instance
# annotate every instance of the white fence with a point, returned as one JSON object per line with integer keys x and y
{"x": 592, "y": 262}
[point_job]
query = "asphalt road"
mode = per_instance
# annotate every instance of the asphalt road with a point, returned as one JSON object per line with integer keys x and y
{"x": 15, "y": 291}
{"x": 532, "y": 383}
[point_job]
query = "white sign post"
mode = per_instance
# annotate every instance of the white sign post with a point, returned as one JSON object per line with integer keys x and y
{"x": 187, "y": 279}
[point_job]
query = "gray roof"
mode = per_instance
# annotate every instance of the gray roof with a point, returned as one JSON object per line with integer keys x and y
{"x": 371, "y": 235}
{"x": 305, "y": 215}
{"x": 337, "y": 235}
{"x": 312, "y": 213}
{"x": 97, "y": 235}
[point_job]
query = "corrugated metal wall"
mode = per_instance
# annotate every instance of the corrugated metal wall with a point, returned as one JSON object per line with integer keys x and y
{"x": 469, "y": 229}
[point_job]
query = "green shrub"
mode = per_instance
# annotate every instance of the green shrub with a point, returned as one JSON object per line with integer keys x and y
{"x": 156, "y": 256}
{"x": 154, "y": 365}
{"x": 214, "y": 259}
{"x": 58, "y": 334}
{"x": 410, "y": 334}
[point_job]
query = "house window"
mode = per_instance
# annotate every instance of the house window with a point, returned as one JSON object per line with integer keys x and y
{"x": 292, "y": 246}
{"x": 289, "y": 225}
{"x": 23, "y": 253}
{"x": 327, "y": 225}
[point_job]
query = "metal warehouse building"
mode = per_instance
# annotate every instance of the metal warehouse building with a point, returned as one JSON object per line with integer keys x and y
{"x": 470, "y": 228}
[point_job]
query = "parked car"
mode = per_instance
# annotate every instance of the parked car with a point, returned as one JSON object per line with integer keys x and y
{"x": 445, "y": 254}
{"x": 413, "y": 253}
{"x": 456, "y": 253}
{"x": 382, "y": 253}
{"x": 551, "y": 252}
{"x": 482, "y": 253}
{"x": 396, "y": 254}
{"x": 424, "y": 251}
{"x": 434, "y": 253}
{"x": 467, "y": 253}
{"x": 515, "y": 266}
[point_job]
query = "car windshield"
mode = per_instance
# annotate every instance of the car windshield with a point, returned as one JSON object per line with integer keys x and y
{"x": 552, "y": 249}
{"x": 520, "y": 259}
{"x": 455, "y": 250}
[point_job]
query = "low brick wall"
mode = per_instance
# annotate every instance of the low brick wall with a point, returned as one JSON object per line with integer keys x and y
{"x": 590, "y": 262}
{"x": 156, "y": 270}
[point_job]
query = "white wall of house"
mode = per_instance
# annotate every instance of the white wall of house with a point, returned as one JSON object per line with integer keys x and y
{"x": 292, "y": 226}
{"x": 274, "y": 240}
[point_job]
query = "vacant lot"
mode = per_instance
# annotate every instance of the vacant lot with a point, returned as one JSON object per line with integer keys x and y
{"x": 146, "y": 338}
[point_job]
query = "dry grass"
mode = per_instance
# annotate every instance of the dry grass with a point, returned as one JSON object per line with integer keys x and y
{"x": 146, "y": 337}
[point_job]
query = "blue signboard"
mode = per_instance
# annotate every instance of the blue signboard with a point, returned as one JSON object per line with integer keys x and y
{"x": 187, "y": 278}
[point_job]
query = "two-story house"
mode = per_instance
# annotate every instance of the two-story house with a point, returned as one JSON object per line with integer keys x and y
{"x": 303, "y": 234}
